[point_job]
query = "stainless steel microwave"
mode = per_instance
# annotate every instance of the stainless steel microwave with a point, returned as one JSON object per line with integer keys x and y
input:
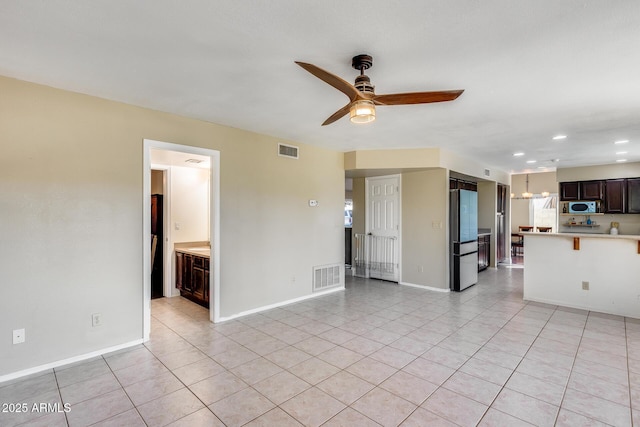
{"x": 582, "y": 207}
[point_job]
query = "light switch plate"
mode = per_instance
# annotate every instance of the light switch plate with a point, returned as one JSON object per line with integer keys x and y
{"x": 96, "y": 319}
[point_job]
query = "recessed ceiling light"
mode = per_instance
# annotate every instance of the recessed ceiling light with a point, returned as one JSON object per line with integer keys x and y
{"x": 193, "y": 161}
{"x": 622, "y": 141}
{"x": 621, "y": 152}
{"x": 621, "y": 160}
{"x": 531, "y": 161}
{"x": 559, "y": 137}
{"x": 518, "y": 154}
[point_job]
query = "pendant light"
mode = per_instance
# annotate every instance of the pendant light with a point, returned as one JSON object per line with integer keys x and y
{"x": 527, "y": 194}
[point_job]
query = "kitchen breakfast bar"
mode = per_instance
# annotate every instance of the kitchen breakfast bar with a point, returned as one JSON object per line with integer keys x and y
{"x": 597, "y": 272}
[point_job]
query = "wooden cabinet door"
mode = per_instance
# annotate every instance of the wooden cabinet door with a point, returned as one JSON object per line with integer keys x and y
{"x": 198, "y": 282}
{"x": 206, "y": 285}
{"x": 591, "y": 190}
{"x": 569, "y": 191}
{"x": 187, "y": 279}
{"x": 179, "y": 270}
{"x": 633, "y": 195}
{"x": 615, "y": 195}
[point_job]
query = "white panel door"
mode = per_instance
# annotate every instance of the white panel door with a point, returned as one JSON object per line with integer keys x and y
{"x": 383, "y": 226}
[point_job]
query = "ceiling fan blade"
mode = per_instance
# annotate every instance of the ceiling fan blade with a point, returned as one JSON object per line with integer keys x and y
{"x": 337, "y": 115}
{"x": 335, "y": 81}
{"x": 417, "y": 97}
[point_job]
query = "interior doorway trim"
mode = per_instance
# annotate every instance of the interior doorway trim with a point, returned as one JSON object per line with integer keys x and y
{"x": 214, "y": 229}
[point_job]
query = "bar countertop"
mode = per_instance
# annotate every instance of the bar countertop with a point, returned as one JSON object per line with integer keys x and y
{"x": 583, "y": 235}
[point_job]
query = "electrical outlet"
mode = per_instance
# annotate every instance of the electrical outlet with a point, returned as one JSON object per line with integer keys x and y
{"x": 585, "y": 286}
{"x": 18, "y": 336}
{"x": 96, "y": 319}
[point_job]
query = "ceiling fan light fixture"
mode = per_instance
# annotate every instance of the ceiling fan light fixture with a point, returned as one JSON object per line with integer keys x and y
{"x": 362, "y": 111}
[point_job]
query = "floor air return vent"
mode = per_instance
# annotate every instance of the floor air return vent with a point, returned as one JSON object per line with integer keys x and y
{"x": 325, "y": 277}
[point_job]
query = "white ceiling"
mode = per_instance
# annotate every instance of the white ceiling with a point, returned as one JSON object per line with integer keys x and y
{"x": 174, "y": 158}
{"x": 531, "y": 69}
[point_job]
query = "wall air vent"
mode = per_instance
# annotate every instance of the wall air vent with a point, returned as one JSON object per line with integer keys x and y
{"x": 290, "y": 151}
{"x": 326, "y": 276}
{"x": 487, "y": 172}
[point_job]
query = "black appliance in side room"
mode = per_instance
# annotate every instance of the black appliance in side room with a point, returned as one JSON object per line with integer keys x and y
{"x": 463, "y": 232}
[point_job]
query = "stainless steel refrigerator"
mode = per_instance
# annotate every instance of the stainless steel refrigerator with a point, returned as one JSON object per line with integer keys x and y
{"x": 463, "y": 232}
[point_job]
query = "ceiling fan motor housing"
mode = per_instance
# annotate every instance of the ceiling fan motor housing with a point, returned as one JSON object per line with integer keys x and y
{"x": 361, "y": 63}
{"x": 363, "y": 84}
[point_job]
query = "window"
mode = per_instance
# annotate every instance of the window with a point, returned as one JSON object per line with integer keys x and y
{"x": 348, "y": 213}
{"x": 543, "y": 212}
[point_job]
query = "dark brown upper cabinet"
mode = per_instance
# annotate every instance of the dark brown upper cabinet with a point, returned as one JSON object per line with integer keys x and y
{"x": 633, "y": 195}
{"x": 569, "y": 191}
{"x": 615, "y": 196}
{"x": 591, "y": 190}
{"x": 618, "y": 196}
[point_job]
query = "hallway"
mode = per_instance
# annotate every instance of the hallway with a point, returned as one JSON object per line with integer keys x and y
{"x": 376, "y": 354}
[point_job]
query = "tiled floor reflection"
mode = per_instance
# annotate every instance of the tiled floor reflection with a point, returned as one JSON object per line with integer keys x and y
{"x": 376, "y": 354}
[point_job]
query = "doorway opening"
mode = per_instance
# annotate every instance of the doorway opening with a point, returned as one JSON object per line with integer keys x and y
{"x": 158, "y": 182}
{"x": 167, "y": 158}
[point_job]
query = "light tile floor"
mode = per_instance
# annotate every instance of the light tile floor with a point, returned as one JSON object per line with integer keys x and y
{"x": 376, "y": 354}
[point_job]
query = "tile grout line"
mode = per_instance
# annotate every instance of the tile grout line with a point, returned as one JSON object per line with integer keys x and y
{"x": 176, "y": 377}
{"x": 55, "y": 376}
{"x": 626, "y": 347}
{"x": 566, "y": 386}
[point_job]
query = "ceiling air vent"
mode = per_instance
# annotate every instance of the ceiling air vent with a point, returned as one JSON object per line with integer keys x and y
{"x": 290, "y": 151}
{"x": 487, "y": 172}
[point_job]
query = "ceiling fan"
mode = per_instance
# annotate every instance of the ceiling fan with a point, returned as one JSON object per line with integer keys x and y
{"x": 362, "y": 98}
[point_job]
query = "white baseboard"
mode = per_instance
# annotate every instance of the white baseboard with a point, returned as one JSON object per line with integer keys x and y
{"x": 428, "y": 288}
{"x": 279, "y": 304}
{"x": 63, "y": 362}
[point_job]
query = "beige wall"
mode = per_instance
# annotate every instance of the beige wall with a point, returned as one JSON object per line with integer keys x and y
{"x": 189, "y": 204}
{"x": 404, "y": 160}
{"x": 424, "y": 250}
{"x": 425, "y": 255}
{"x": 585, "y": 173}
{"x": 538, "y": 182}
{"x": 358, "y": 195}
{"x": 487, "y": 208}
{"x": 71, "y": 173}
